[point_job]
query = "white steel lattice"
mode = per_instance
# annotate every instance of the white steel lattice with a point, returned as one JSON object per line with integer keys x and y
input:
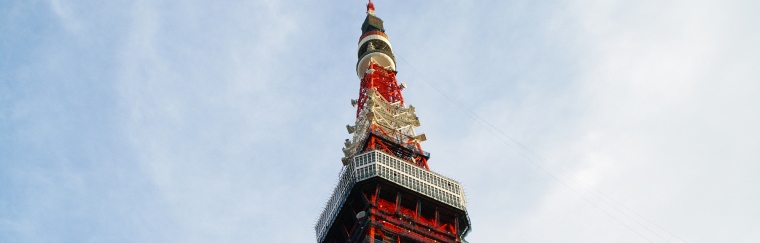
{"x": 396, "y": 120}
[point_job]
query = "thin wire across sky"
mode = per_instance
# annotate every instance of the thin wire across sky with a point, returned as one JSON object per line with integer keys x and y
{"x": 558, "y": 171}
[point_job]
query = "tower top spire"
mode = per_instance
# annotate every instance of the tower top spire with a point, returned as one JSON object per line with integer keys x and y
{"x": 371, "y": 8}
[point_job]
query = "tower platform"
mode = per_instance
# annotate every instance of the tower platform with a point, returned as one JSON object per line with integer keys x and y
{"x": 387, "y": 199}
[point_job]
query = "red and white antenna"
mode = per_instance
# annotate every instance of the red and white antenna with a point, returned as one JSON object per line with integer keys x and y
{"x": 371, "y": 8}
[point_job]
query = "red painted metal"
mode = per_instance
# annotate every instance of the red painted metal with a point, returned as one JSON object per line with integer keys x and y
{"x": 370, "y": 6}
{"x": 373, "y": 32}
{"x": 410, "y": 151}
{"x": 382, "y": 79}
{"x": 392, "y": 218}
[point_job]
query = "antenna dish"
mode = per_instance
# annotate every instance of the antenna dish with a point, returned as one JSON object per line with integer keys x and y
{"x": 361, "y": 215}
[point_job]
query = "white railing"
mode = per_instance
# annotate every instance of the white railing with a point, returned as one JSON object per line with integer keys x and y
{"x": 379, "y": 164}
{"x": 333, "y": 206}
{"x": 410, "y": 176}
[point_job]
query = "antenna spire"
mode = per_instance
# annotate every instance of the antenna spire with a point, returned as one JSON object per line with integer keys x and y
{"x": 371, "y": 8}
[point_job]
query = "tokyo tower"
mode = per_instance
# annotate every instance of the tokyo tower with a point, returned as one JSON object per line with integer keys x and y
{"x": 386, "y": 191}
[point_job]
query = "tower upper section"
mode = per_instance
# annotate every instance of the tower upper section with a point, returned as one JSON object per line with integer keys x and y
{"x": 374, "y": 44}
{"x": 383, "y": 121}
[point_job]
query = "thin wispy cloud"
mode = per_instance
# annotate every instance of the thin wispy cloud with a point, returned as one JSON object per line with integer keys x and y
{"x": 162, "y": 121}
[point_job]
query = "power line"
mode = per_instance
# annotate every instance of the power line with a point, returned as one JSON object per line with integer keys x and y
{"x": 491, "y": 128}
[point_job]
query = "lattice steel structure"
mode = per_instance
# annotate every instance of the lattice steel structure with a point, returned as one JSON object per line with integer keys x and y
{"x": 386, "y": 191}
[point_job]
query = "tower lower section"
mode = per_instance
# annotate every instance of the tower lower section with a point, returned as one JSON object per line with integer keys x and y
{"x": 381, "y": 198}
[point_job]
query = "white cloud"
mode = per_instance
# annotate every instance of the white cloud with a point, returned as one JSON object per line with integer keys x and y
{"x": 650, "y": 102}
{"x": 195, "y": 121}
{"x": 663, "y": 133}
{"x": 63, "y": 11}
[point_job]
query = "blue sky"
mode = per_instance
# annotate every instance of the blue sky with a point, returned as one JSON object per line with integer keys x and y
{"x": 198, "y": 121}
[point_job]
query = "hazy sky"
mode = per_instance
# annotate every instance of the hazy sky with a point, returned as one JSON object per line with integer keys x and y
{"x": 222, "y": 121}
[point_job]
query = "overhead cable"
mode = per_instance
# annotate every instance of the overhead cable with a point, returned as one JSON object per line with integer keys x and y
{"x": 493, "y": 130}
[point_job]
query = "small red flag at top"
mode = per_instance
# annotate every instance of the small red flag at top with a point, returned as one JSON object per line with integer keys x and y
{"x": 370, "y": 6}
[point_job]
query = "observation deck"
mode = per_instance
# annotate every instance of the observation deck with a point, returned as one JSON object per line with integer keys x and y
{"x": 380, "y": 165}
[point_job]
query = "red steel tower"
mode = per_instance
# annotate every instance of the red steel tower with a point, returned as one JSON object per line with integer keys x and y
{"x": 386, "y": 191}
